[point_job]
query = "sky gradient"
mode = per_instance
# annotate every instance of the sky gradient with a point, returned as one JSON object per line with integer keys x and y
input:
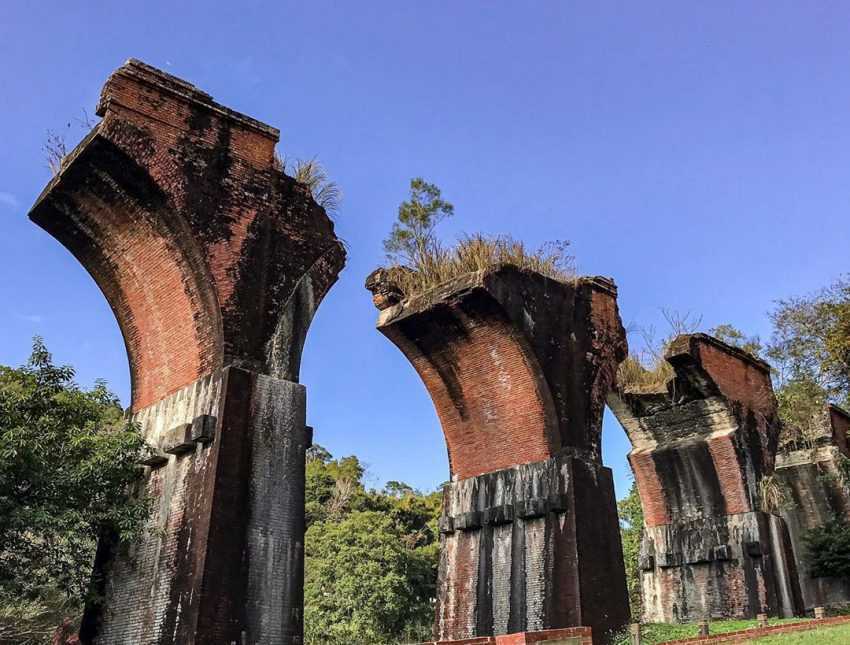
{"x": 699, "y": 154}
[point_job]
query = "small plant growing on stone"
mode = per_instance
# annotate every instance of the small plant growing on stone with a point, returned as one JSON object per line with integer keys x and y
{"x": 773, "y": 495}
{"x": 55, "y": 151}
{"x": 412, "y": 241}
{"x": 312, "y": 174}
{"x": 55, "y": 147}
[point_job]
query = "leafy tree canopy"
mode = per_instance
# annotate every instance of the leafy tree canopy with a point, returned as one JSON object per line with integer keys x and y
{"x": 811, "y": 341}
{"x": 731, "y": 335}
{"x": 828, "y": 549}
{"x": 631, "y": 534}
{"x": 68, "y": 462}
{"x": 371, "y": 556}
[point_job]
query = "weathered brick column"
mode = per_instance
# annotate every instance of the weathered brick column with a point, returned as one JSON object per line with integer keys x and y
{"x": 214, "y": 263}
{"x": 702, "y": 446}
{"x": 816, "y": 479}
{"x": 518, "y": 366}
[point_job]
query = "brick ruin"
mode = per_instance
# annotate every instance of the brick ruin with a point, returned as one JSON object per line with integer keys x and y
{"x": 214, "y": 263}
{"x": 814, "y": 477}
{"x": 703, "y": 447}
{"x": 518, "y": 367}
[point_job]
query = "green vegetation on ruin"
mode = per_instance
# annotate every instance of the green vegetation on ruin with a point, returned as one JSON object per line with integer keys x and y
{"x": 419, "y": 261}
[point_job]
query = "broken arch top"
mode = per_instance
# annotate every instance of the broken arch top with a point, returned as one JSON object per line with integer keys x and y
{"x": 518, "y": 365}
{"x": 207, "y": 252}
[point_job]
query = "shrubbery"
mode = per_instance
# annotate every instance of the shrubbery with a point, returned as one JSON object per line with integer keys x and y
{"x": 68, "y": 463}
{"x": 828, "y": 549}
{"x": 371, "y": 557}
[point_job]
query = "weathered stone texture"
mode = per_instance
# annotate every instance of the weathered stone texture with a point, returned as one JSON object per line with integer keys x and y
{"x": 208, "y": 254}
{"x": 816, "y": 484}
{"x": 701, "y": 446}
{"x": 518, "y": 366}
{"x": 214, "y": 263}
{"x": 567, "y": 636}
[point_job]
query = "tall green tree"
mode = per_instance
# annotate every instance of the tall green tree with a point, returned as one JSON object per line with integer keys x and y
{"x": 631, "y": 534}
{"x": 68, "y": 467}
{"x": 811, "y": 340}
{"x": 364, "y": 583}
{"x": 413, "y": 234}
{"x": 371, "y": 556}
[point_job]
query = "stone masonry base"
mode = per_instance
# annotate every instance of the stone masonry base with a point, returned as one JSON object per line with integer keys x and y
{"x": 568, "y": 636}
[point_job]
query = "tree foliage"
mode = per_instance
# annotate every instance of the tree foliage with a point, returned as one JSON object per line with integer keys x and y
{"x": 809, "y": 351}
{"x": 68, "y": 463}
{"x": 828, "y": 549}
{"x": 412, "y": 236}
{"x": 420, "y": 262}
{"x": 371, "y": 556}
{"x": 631, "y": 534}
{"x": 811, "y": 341}
{"x": 731, "y": 335}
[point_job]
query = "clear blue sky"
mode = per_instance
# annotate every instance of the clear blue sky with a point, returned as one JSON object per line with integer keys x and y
{"x": 699, "y": 153}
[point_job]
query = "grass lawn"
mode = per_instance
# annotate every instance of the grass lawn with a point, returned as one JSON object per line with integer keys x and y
{"x": 652, "y": 634}
{"x": 838, "y": 635}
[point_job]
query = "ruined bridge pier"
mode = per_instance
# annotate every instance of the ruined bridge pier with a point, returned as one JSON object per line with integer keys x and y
{"x": 703, "y": 452}
{"x": 214, "y": 263}
{"x": 518, "y": 366}
{"x": 815, "y": 478}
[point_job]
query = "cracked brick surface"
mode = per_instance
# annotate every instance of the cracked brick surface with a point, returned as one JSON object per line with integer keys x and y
{"x": 702, "y": 445}
{"x": 518, "y": 367}
{"x": 214, "y": 262}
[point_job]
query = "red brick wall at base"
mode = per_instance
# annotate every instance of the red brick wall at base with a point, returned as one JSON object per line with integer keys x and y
{"x": 581, "y": 636}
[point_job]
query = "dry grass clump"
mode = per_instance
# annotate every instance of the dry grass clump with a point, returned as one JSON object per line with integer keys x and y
{"x": 312, "y": 174}
{"x": 634, "y": 375}
{"x": 436, "y": 264}
{"x": 647, "y": 370}
{"x": 773, "y": 496}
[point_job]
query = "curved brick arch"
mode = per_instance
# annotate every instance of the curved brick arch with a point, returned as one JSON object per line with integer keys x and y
{"x": 207, "y": 253}
{"x": 494, "y": 405}
{"x": 702, "y": 444}
{"x": 214, "y": 262}
{"x": 108, "y": 212}
{"x": 518, "y": 366}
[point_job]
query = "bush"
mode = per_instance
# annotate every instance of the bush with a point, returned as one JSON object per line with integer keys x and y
{"x": 371, "y": 557}
{"x": 828, "y": 549}
{"x": 68, "y": 464}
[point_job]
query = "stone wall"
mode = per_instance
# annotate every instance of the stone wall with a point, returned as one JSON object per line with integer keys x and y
{"x": 702, "y": 444}
{"x": 816, "y": 485}
{"x": 214, "y": 263}
{"x": 518, "y": 366}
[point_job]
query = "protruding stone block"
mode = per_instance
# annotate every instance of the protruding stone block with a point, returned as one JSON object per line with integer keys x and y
{"x": 702, "y": 445}
{"x": 178, "y": 440}
{"x": 518, "y": 366}
{"x": 155, "y": 459}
